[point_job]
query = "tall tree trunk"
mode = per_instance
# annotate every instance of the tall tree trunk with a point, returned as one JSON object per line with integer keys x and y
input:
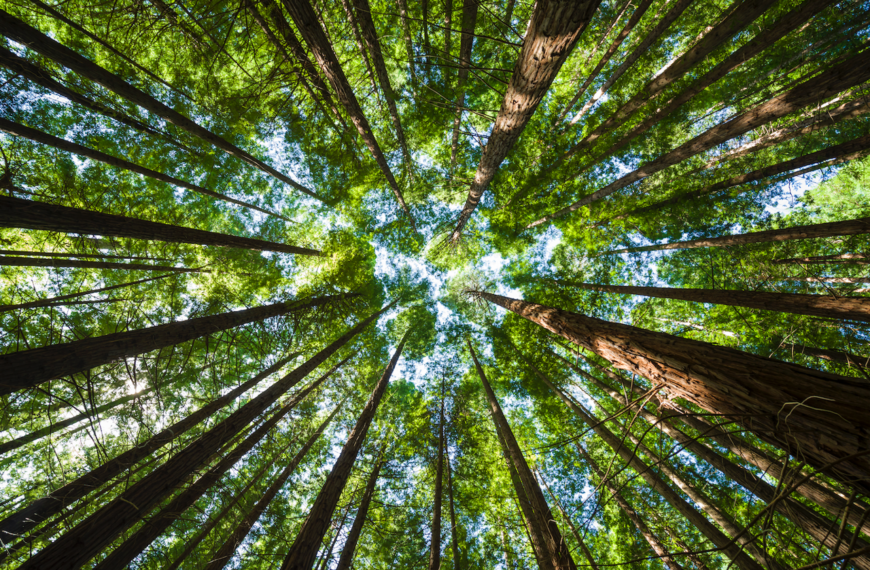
{"x": 435, "y": 548}
{"x": 761, "y": 394}
{"x": 454, "y": 530}
{"x": 859, "y": 226}
{"x": 552, "y": 33}
{"x": 221, "y": 557}
{"x": 303, "y": 551}
{"x": 306, "y": 21}
{"x": 80, "y": 544}
{"x": 577, "y": 536}
{"x": 55, "y": 300}
{"x": 61, "y": 144}
{"x": 854, "y": 71}
{"x": 29, "y": 368}
{"x": 448, "y": 44}
{"x": 346, "y": 559}
{"x": 80, "y": 255}
{"x": 72, "y": 263}
{"x": 427, "y": 46}
{"x": 40, "y": 510}
{"x": 360, "y": 44}
{"x": 838, "y": 258}
{"x": 406, "y": 35}
{"x": 27, "y": 214}
{"x": 16, "y": 30}
{"x": 831, "y": 355}
{"x": 550, "y": 548}
{"x": 466, "y": 42}
{"x": 854, "y": 308}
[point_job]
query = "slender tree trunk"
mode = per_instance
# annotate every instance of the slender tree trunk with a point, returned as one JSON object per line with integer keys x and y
{"x": 435, "y": 549}
{"x": 466, "y": 42}
{"x": 849, "y": 280}
{"x": 760, "y": 394}
{"x": 72, "y": 263}
{"x": 831, "y": 355}
{"x": 346, "y": 559}
{"x": 27, "y": 214}
{"x": 221, "y": 557}
{"x": 550, "y": 548}
{"x": 80, "y": 544}
{"x": 55, "y": 300}
{"x": 306, "y": 21}
{"x": 406, "y": 35}
{"x": 427, "y": 46}
{"x": 40, "y": 510}
{"x": 839, "y": 258}
{"x": 853, "y": 308}
{"x": 360, "y": 44}
{"x": 303, "y": 552}
{"x": 859, "y": 226}
{"x": 577, "y": 536}
{"x": 693, "y": 556}
{"x": 552, "y": 33}
{"x": 81, "y": 255}
{"x": 16, "y": 30}
{"x": 454, "y": 530}
{"x": 854, "y": 71}
{"x": 448, "y": 44}
{"x": 29, "y": 368}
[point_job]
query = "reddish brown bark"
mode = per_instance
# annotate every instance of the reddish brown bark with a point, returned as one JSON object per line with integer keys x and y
{"x": 552, "y": 33}
{"x": 435, "y": 547}
{"x": 346, "y": 559}
{"x": 763, "y": 395}
{"x": 54, "y": 300}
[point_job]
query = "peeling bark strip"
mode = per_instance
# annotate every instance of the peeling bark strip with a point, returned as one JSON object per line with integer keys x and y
{"x": 64, "y": 145}
{"x": 54, "y": 300}
{"x": 16, "y": 30}
{"x": 346, "y": 559}
{"x": 852, "y": 72}
{"x": 552, "y": 33}
{"x": 304, "y": 550}
{"x": 29, "y": 368}
{"x": 89, "y": 537}
{"x": 830, "y": 229}
{"x": 765, "y": 396}
{"x": 27, "y": 214}
{"x": 306, "y": 21}
{"x": 550, "y": 549}
{"x": 34, "y": 262}
{"x": 854, "y": 308}
{"x": 40, "y": 510}
{"x": 466, "y": 42}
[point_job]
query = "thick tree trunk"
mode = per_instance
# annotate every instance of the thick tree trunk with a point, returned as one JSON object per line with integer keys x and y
{"x": 346, "y": 559}
{"x": 552, "y": 33}
{"x": 550, "y": 548}
{"x": 219, "y": 558}
{"x": 831, "y": 229}
{"x": 72, "y": 263}
{"x": 15, "y": 29}
{"x": 466, "y": 42}
{"x": 761, "y": 394}
{"x": 854, "y": 71}
{"x": 89, "y": 537}
{"x": 40, "y": 510}
{"x": 303, "y": 552}
{"x": 853, "y": 308}
{"x": 55, "y": 300}
{"x": 435, "y": 547}
{"x": 61, "y": 144}
{"x": 27, "y": 214}
{"x": 29, "y": 368}
{"x": 831, "y": 355}
{"x": 306, "y": 21}
{"x": 454, "y": 530}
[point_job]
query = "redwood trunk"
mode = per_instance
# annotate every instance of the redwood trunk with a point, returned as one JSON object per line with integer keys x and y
{"x": 346, "y": 559}
{"x": 831, "y": 355}
{"x": 454, "y": 530}
{"x": 54, "y": 300}
{"x": 839, "y": 258}
{"x": 27, "y": 214}
{"x": 761, "y": 394}
{"x": 81, "y": 255}
{"x": 552, "y": 33}
{"x": 435, "y": 550}
{"x": 466, "y": 42}
{"x": 72, "y": 263}
{"x": 303, "y": 552}
{"x": 29, "y": 368}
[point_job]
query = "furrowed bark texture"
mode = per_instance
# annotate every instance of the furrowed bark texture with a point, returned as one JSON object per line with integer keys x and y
{"x": 72, "y": 263}
{"x": 40, "y": 510}
{"x": 831, "y": 355}
{"x": 466, "y": 42}
{"x": 27, "y": 214}
{"x": 552, "y": 33}
{"x": 435, "y": 548}
{"x": 219, "y": 558}
{"x": 306, "y": 21}
{"x": 304, "y": 550}
{"x": 346, "y": 559}
{"x": 761, "y": 394}
{"x": 853, "y": 308}
{"x": 550, "y": 548}
{"x": 53, "y": 300}
{"x": 81, "y": 543}
{"x": 15, "y": 29}
{"x": 29, "y": 368}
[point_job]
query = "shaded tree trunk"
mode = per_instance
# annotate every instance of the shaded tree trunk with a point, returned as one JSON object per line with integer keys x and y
{"x": 89, "y": 537}
{"x": 760, "y": 394}
{"x": 454, "y": 530}
{"x": 360, "y": 44}
{"x": 466, "y": 42}
{"x": 20, "y": 32}
{"x": 831, "y": 355}
{"x": 839, "y": 258}
{"x": 29, "y": 368}
{"x": 72, "y": 263}
{"x": 27, "y": 214}
{"x": 55, "y": 300}
{"x": 577, "y": 536}
{"x": 303, "y": 551}
{"x": 435, "y": 549}
{"x": 552, "y": 33}
{"x": 81, "y": 255}
{"x": 346, "y": 559}
{"x": 406, "y": 35}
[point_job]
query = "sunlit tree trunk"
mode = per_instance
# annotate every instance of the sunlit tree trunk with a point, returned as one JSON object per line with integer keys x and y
{"x": 344, "y": 562}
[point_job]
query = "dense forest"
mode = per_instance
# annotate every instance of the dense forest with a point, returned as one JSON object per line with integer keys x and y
{"x": 447, "y": 284}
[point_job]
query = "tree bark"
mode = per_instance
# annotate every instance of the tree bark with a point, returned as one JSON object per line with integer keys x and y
{"x": 454, "y": 530}
{"x": 54, "y": 300}
{"x": 854, "y": 71}
{"x": 550, "y": 548}
{"x": 306, "y": 21}
{"x": 466, "y": 42}
{"x": 15, "y": 29}
{"x": 303, "y": 551}
{"x": 831, "y": 355}
{"x": 839, "y": 258}
{"x": 360, "y": 44}
{"x": 552, "y": 33}
{"x": 852, "y": 308}
{"x": 346, "y": 559}
{"x": 29, "y": 368}
{"x": 219, "y": 558}
{"x": 761, "y": 394}
{"x": 81, "y": 255}
{"x": 27, "y": 214}
{"x": 406, "y": 35}
{"x": 577, "y": 536}
{"x": 72, "y": 263}
{"x": 435, "y": 548}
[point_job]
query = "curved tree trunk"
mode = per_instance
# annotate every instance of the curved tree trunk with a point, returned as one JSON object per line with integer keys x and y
{"x": 346, "y": 559}
{"x": 55, "y": 300}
